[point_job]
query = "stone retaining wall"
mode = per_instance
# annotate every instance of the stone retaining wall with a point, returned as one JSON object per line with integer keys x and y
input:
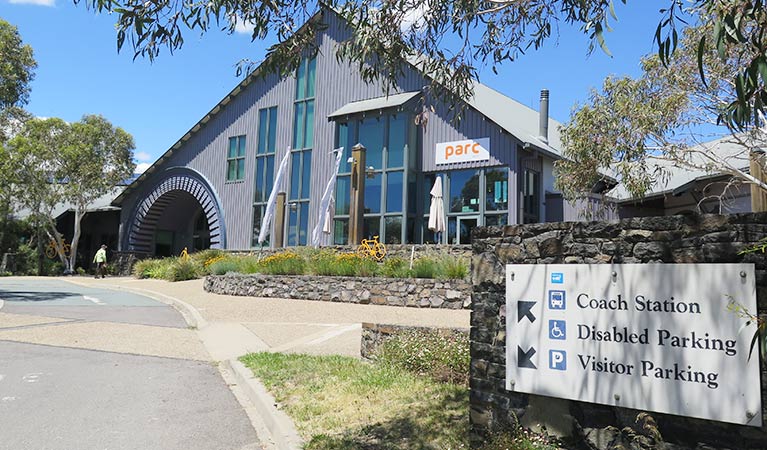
{"x": 375, "y": 334}
{"x": 392, "y": 250}
{"x": 675, "y": 239}
{"x": 413, "y": 292}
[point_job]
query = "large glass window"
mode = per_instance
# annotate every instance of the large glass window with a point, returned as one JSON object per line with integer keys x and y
{"x": 235, "y": 159}
{"x": 386, "y": 140}
{"x": 267, "y": 136}
{"x": 301, "y": 162}
{"x": 464, "y": 191}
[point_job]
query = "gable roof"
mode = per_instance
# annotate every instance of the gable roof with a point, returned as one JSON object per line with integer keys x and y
{"x": 510, "y": 115}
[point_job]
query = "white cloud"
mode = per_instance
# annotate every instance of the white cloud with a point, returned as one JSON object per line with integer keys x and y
{"x": 414, "y": 17}
{"x": 141, "y": 167}
{"x": 143, "y": 157}
{"x": 34, "y": 2}
{"x": 241, "y": 26}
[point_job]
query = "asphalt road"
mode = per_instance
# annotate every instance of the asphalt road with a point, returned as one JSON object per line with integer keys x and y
{"x": 77, "y": 372}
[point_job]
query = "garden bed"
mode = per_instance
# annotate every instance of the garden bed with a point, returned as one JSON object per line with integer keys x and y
{"x": 411, "y": 292}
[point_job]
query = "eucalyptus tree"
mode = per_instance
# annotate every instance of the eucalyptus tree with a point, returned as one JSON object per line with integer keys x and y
{"x": 638, "y": 129}
{"x": 57, "y": 163}
{"x": 450, "y": 40}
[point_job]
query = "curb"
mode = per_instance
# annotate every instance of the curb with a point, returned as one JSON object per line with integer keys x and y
{"x": 280, "y": 427}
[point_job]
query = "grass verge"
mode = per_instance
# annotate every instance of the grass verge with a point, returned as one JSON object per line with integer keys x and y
{"x": 343, "y": 403}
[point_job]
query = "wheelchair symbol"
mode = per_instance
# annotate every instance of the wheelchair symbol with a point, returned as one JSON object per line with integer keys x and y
{"x": 557, "y": 329}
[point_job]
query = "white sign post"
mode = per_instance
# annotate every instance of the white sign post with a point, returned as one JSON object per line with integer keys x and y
{"x": 655, "y": 337}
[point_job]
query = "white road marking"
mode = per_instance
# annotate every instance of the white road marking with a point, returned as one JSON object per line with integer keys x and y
{"x": 32, "y": 377}
{"x": 8, "y": 399}
{"x": 94, "y": 300}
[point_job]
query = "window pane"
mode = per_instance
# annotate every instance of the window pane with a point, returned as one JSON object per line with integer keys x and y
{"x": 371, "y": 227}
{"x": 343, "y": 195}
{"x": 373, "y": 194}
{"x": 232, "y": 148}
{"x": 263, "y": 118}
{"x": 429, "y": 237}
{"x": 394, "y": 192}
{"x": 260, "y": 194}
{"x": 306, "y": 182}
{"x": 372, "y": 136}
{"x": 464, "y": 191}
{"x": 397, "y": 135}
{"x": 452, "y": 237}
{"x": 272, "y": 146}
{"x": 301, "y": 80}
{"x": 497, "y": 190}
{"x": 302, "y": 232}
{"x": 241, "y": 142}
{"x": 258, "y": 214}
{"x": 310, "y": 77}
{"x": 496, "y": 220}
{"x": 428, "y": 183}
{"x": 344, "y": 141}
{"x": 269, "y": 176}
{"x": 393, "y": 230}
{"x": 292, "y": 226}
{"x": 295, "y": 175}
{"x": 298, "y": 126}
{"x": 309, "y": 135}
{"x": 341, "y": 232}
{"x": 411, "y": 194}
{"x": 241, "y": 169}
{"x": 231, "y": 170}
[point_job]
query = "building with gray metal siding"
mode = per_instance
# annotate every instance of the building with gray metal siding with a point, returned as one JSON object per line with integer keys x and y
{"x": 210, "y": 188}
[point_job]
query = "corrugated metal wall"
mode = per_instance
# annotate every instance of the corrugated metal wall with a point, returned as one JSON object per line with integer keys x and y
{"x": 336, "y": 85}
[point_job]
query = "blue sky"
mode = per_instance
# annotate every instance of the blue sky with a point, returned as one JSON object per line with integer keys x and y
{"x": 80, "y": 72}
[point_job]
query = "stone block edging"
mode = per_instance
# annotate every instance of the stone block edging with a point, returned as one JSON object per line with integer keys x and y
{"x": 409, "y": 292}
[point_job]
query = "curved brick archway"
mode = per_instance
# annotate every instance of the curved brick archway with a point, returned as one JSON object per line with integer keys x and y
{"x": 174, "y": 184}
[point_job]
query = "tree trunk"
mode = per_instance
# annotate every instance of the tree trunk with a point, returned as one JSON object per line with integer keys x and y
{"x": 79, "y": 214}
{"x": 40, "y": 255}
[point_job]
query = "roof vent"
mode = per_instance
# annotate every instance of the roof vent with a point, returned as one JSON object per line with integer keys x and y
{"x": 543, "y": 124}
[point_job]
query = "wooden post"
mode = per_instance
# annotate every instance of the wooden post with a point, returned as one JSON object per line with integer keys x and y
{"x": 756, "y": 168}
{"x": 357, "y": 204}
{"x": 279, "y": 221}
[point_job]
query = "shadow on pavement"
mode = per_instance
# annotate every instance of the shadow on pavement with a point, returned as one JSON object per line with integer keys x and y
{"x": 33, "y": 296}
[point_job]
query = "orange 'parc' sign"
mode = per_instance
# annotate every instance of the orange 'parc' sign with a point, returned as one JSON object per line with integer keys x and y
{"x": 463, "y": 151}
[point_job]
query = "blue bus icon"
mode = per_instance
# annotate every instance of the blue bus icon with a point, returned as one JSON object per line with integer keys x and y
{"x": 557, "y": 300}
{"x": 557, "y": 278}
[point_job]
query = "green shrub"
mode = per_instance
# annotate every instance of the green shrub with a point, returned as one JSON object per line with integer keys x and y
{"x": 324, "y": 263}
{"x": 451, "y": 267}
{"x": 285, "y": 263}
{"x": 153, "y": 268}
{"x": 183, "y": 269}
{"x": 442, "y": 355}
{"x": 425, "y": 267}
{"x": 203, "y": 256}
{"x": 248, "y": 264}
{"x": 223, "y": 267}
{"x": 366, "y": 268}
{"x": 80, "y": 271}
{"x": 395, "y": 267}
{"x": 26, "y": 260}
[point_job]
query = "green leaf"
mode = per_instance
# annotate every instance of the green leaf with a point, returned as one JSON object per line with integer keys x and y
{"x": 700, "y": 52}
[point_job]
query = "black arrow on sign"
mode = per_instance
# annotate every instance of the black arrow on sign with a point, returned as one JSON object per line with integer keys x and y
{"x": 523, "y": 358}
{"x": 523, "y": 310}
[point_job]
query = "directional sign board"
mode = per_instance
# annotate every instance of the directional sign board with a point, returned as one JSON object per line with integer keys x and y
{"x": 655, "y": 337}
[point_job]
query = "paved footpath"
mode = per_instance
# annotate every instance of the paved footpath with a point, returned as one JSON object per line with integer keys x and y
{"x": 232, "y": 326}
{"x": 94, "y": 368}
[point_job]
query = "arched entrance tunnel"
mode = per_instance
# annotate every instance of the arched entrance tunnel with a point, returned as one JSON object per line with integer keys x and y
{"x": 181, "y": 212}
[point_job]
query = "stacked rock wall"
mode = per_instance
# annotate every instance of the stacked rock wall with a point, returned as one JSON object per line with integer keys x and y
{"x": 673, "y": 239}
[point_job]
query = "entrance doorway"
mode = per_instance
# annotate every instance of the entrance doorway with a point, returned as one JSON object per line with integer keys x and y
{"x": 463, "y": 227}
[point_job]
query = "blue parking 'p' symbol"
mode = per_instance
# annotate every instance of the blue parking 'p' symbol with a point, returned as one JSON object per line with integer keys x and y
{"x": 558, "y": 359}
{"x": 557, "y": 278}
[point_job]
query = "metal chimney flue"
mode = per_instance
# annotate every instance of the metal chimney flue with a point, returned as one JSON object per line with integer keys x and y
{"x": 543, "y": 124}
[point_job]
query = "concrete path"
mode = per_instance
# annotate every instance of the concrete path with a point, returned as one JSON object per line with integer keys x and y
{"x": 232, "y": 326}
{"x": 94, "y": 368}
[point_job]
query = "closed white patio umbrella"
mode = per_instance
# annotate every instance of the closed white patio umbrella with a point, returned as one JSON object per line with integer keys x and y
{"x": 326, "y": 202}
{"x": 266, "y": 222}
{"x": 437, "y": 208}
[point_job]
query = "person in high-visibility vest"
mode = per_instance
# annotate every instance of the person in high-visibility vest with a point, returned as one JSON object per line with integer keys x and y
{"x": 101, "y": 261}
